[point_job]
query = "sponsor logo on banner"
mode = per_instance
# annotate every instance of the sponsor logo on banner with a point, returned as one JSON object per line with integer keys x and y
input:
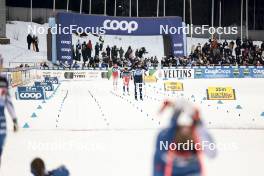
{"x": 150, "y": 79}
{"x": 75, "y": 75}
{"x": 16, "y": 78}
{"x": 52, "y": 80}
{"x": 217, "y": 73}
{"x": 257, "y": 72}
{"x": 221, "y": 93}
{"x": 173, "y": 86}
{"x": 176, "y": 73}
{"x": 115, "y": 25}
{"x": 30, "y": 93}
{"x": 46, "y": 73}
{"x": 46, "y": 85}
{"x": 93, "y": 74}
{"x": 236, "y": 72}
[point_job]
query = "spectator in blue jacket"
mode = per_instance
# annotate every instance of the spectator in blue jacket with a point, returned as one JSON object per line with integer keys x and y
{"x": 38, "y": 169}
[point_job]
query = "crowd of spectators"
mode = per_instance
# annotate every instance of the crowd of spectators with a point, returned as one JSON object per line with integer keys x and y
{"x": 214, "y": 53}
{"x": 211, "y": 53}
{"x": 109, "y": 55}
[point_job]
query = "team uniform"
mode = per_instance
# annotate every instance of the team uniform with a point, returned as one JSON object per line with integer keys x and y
{"x": 61, "y": 171}
{"x": 138, "y": 73}
{"x": 181, "y": 162}
{"x": 5, "y": 102}
{"x": 126, "y": 76}
{"x": 115, "y": 75}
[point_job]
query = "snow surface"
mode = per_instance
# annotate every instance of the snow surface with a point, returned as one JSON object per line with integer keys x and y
{"x": 96, "y": 131}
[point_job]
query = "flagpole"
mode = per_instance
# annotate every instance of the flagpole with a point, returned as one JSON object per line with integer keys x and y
{"x": 130, "y": 7}
{"x": 115, "y": 9}
{"x": 241, "y": 22}
{"x": 90, "y": 6}
{"x": 105, "y": 7}
{"x": 81, "y": 7}
{"x": 164, "y": 8}
{"x": 158, "y": 8}
{"x": 54, "y": 5}
{"x": 137, "y": 8}
{"x": 68, "y": 5}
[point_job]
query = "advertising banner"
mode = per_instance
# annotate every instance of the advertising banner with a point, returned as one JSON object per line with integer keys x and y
{"x": 100, "y": 25}
{"x": 52, "y": 80}
{"x": 214, "y": 72}
{"x": 16, "y": 78}
{"x": 46, "y": 85}
{"x": 257, "y": 72}
{"x": 173, "y": 86}
{"x": 221, "y": 93}
{"x": 30, "y": 93}
{"x": 183, "y": 73}
{"x": 71, "y": 74}
{"x": 150, "y": 79}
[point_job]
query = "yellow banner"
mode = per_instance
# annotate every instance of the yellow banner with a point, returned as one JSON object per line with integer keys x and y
{"x": 173, "y": 86}
{"x": 150, "y": 79}
{"x": 221, "y": 93}
{"x": 16, "y": 78}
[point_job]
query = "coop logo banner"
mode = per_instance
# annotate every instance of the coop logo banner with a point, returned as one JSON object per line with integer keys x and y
{"x": 214, "y": 72}
{"x": 30, "y": 93}
{"x": 257, "y": 72}
{"x": 52, "y": 80}
{"x": 46, "y": 85}
{"x": 128, "y": 26}
{"x": 115, "y": 26}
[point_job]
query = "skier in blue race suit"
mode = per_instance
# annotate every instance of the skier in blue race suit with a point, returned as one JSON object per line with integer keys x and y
{"x": 5, "y": 102}
{"x": 38, "y": 169}
{"x": 173, "y": 156}
{"x": 138, "y": 73}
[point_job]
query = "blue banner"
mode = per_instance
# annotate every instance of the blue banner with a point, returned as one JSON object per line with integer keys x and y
{"x": 214, "y": 72}
{"x": 52, "y": 23}
{"x": 52, "y": 80}
{"x": 72, "y": 22}
{"x": 257, "y": 72}
{"x": 46, "y": 85}
{"x": 229, "y": 72}
{"x": 30, "y": 93}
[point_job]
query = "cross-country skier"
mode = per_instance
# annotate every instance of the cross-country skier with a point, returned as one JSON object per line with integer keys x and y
{"x": 189, "y": 140}
{"x": 126, "y": 76}
{"x": 5, "y": 102}
{"x": 138, "y": 73}
{"x": 38, "y": 169}
{"x": 115, "y": 75}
